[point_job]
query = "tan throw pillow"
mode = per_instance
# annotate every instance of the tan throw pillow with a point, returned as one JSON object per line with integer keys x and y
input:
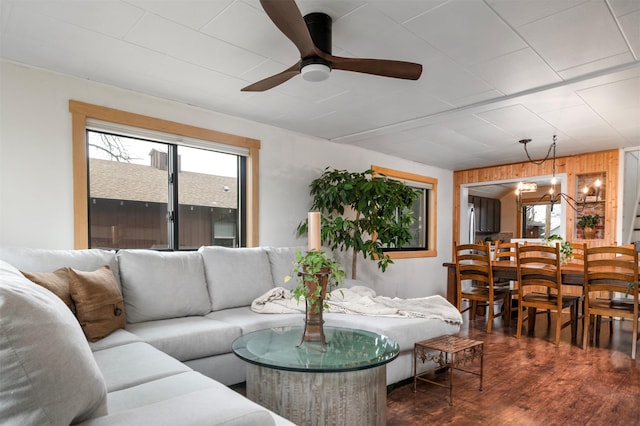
{"x": 98, "y": 300}
{"x": 57, "y": 282}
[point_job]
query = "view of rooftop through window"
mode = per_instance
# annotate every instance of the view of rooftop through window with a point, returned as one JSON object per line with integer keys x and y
{"x": 134, "y": 202}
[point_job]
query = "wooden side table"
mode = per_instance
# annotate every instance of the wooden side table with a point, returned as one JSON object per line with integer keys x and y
{"x": 448, "y": 352}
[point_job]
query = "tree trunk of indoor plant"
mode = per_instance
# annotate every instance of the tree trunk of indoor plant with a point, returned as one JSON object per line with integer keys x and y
{"x": 313, "y": 325}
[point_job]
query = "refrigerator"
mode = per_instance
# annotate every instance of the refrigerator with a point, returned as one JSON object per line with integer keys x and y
{"x": 472, "y": 223}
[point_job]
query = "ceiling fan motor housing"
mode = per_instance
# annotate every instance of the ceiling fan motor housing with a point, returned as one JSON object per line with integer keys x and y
{"x": 319, "y": 25}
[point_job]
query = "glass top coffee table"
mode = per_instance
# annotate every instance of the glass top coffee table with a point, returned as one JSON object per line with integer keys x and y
{"x": 308, "y": 386}
{"x": 347, "y": 349}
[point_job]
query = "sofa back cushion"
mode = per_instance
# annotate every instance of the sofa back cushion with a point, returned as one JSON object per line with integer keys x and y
{"x": 281, "y": 260}
{"x": 236, "y": 276}
{"x": 160, "y": 285}
{"x": 49, "y": 376}
{"x": 48, "y": 260}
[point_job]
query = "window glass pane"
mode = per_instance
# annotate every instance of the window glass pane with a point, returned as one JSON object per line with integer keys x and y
{"x": 128, "y": 192}
{"x": 541, "y": 220}
{"x": 418, "y": 228}
{"x": 207, "y": 198}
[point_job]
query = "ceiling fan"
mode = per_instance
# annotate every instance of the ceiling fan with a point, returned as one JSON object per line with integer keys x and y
{"x": 312, "y": 36}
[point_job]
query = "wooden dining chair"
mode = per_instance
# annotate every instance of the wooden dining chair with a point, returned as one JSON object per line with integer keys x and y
{"x": 577, "y": 252}
{"x": 614, "y": 300}
{"x": 611, "y": 270}
{"x": 474, "y": 277}
{"x": 577, "y": 258}
{"x": 538, "y": 266}
{"x": 506, "y": 252}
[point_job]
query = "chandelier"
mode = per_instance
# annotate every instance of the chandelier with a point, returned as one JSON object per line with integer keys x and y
{"x": 577, "y": 205}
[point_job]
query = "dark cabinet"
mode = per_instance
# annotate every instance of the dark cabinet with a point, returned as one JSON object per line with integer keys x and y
{"x": 487, "y": 214}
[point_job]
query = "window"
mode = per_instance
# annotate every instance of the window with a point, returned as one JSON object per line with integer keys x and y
{"x": 150, "y": 183}
{"x": 152, "y": 194}
{"x": 541, "y": 220}
{"x": 423, "y": 228}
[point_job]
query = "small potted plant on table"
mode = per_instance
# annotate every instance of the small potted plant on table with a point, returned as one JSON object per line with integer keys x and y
{"x": 316, "y": 272}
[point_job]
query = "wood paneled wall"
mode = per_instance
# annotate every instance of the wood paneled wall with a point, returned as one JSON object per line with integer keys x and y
{"x": 595, "y": 162}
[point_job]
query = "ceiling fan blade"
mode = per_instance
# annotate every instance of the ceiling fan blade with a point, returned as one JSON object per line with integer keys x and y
{"x": 382, "y": 67}
{"x": 287, "y": 17}
{"x": 274, "y": 80}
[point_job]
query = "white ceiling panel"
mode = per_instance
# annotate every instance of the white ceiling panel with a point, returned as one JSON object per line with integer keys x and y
{"x": 552, "y": 100}
{"x": 238, "y": 26}
{"x": 622, "y": 7}
{"x": 494, "y": 71}
{"x": 479, "y": 34}
{"x": 374, "y": 35}
{"x": 447, "y": 81}
{"x": 630, "y": 23}
{"x": 518, "y": 121}
{"x": 593, "y": 67}
{"x": 516, "y": 72}
{"x": 576, "y": 36}
{"x": 112, "y": 19}
{"x": 159, "y": 34}
{"x": 192, "y": 13}
{"x": 404, "y": 10}
{"x": 580, "y": 122}
{"x": 519, "y": 13}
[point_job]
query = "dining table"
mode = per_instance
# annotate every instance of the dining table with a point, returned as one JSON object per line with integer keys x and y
{"x": 572, "y": 274}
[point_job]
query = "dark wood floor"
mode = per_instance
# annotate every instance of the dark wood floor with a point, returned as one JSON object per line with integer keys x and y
{"x": 531, "y": 382}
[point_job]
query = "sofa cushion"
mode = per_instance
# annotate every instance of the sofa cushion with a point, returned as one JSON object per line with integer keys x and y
{"x": 160, "y": 285}
{"x": 183, "y": 384}
{"x": 48, "y": 374}
{"x": 236, "y": 276}
{"x": 48, "y": 260}
{"x": 98, "y": 302}
{"x": 117, "y": 338}
{"x": 281, "y": 260}
{"x": 188, "y": 338}
{"x": 129, "y": 365}
{"x": 250, "y": 321}
{"x": 211, "y": 407}
{"x": 56, "y": 282}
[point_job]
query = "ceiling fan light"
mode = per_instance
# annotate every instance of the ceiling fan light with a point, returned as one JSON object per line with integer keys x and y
{"x": 315, "y": 72}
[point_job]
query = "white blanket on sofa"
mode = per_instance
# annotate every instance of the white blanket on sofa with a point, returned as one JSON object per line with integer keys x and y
{"x": 363, "y": 301}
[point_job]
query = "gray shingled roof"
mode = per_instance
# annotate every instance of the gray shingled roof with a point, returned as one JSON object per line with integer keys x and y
{"x": 126, "y": 181}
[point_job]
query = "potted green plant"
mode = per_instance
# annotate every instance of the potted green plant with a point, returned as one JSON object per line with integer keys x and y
{"x": 316, "y": 272}
{"x": 588, "y": 224}
{"x": 309, "y": 268}
{"x": 566, "y": 251}
{"x": 365, "y": 212}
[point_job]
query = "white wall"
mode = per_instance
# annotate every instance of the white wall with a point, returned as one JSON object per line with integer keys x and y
{"x": 36, "y": 188}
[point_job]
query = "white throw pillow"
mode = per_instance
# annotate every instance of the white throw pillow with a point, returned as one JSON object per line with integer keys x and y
{"x": 236, "y": 276}
{"x": 161, "y": 285}
{"x": 48, "y": 375}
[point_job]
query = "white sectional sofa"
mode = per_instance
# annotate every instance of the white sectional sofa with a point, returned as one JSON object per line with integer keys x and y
{"x": 173, "y": 360}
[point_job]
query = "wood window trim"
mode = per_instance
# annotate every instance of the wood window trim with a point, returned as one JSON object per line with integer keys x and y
{"x": 432, "y": 219}
{"x": 81, "y": 111}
